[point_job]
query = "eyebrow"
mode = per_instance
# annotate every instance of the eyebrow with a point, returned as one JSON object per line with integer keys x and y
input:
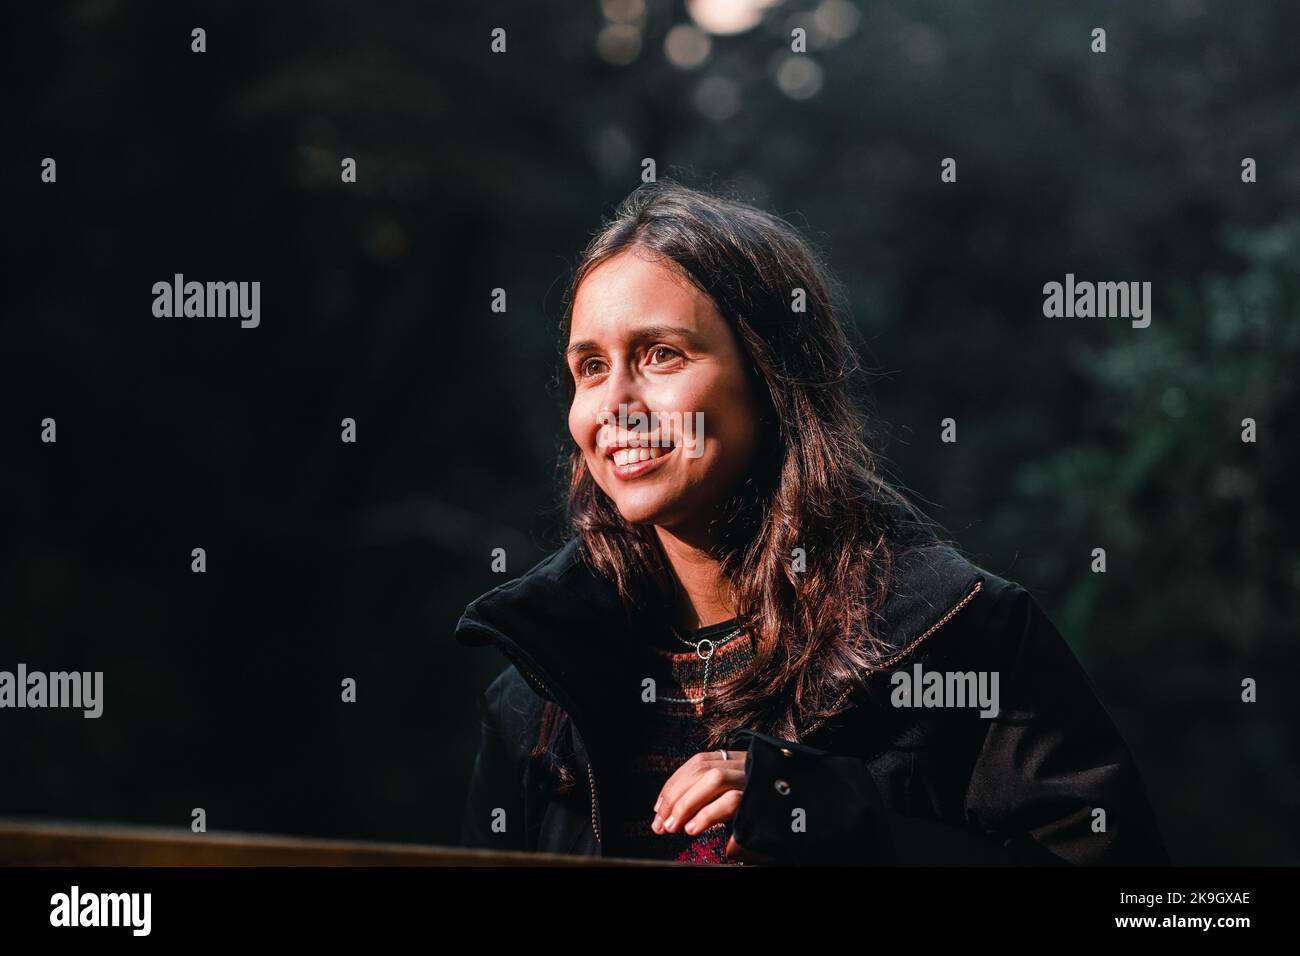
{"x": 639, "y": 335}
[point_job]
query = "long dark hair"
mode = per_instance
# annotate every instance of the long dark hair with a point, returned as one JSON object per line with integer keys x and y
{"x": 815, "y": 485}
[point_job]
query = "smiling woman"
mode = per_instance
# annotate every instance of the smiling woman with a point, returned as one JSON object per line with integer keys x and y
{"x": 648, "y": 342}
{"x": 715, "y": 614}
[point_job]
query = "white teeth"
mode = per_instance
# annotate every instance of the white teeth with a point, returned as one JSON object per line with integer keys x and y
{"x": 630, "y": 456}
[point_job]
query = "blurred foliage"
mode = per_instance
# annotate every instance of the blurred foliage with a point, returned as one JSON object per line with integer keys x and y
{"x": 479, "y": 170}
{"x": 1203, "y": 576}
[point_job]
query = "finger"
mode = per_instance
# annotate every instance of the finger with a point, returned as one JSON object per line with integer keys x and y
{"x": 683, "y": 778}
{"x": 708, "y": 786}
{"x": 686, "y": 776}
{"x": 723, "y": 808}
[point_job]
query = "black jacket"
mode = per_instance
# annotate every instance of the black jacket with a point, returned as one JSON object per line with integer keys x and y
{"x": 876, "y": 783}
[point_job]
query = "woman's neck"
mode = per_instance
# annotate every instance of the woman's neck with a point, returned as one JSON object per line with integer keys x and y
{"x": 705, "y": 594}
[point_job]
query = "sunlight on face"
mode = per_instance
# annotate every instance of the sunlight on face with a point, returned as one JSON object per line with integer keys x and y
{"x": 645, "y": 339}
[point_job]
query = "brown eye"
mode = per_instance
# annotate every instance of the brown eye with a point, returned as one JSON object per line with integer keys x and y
{"x": 663, "y": 349}
{"x": 585, "y": 367}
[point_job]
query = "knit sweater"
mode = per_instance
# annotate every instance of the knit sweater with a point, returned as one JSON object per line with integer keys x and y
{"x": 671, "y": 731}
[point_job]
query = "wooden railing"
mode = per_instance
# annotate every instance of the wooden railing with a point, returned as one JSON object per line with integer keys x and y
{"x": 57, "y": 843}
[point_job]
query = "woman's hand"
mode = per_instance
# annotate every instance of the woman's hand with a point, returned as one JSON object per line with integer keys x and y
{"x": 702, "y": 792}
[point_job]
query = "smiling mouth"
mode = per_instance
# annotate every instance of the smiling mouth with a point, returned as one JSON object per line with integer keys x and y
{"x": 630, "y": 456}
{"x": 637, "y": 461}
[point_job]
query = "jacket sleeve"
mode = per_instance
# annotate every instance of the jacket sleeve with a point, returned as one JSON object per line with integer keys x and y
{"x": 1047, "y": 761}
{"x": 494, "y": 815}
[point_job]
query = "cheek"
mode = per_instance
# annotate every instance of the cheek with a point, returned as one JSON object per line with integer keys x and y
{"x": 573, "y": 428}
{"x": 730, "y": 414}
{"x": 581, "y": 425}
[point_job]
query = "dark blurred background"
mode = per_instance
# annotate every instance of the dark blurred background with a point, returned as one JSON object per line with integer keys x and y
{"x": 479, "y": 170}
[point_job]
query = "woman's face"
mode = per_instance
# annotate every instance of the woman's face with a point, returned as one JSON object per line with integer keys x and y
{"x": 644, "y": 339}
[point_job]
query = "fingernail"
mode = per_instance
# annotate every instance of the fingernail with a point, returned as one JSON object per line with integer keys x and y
{"x": 668, "y": 824}
{"x": 691, "y": 827}
{"x": 655, "y": 824}
{"x": 657, "y": 802}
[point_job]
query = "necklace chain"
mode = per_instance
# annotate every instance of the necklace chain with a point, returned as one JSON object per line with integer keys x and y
{"x": 698, "y": 645}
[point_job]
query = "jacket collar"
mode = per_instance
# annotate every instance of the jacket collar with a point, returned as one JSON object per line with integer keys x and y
{"x": 565, "y": 627}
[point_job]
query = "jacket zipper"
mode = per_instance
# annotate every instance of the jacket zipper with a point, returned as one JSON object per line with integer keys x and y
{"x": 895, "y": 658}
{"x": 591, "y": 776}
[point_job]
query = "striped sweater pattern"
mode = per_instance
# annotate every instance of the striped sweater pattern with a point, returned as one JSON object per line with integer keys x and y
{"x": 670, "y": 732}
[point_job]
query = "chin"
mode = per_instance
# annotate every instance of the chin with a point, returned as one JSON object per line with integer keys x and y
{"x": 642, "y": 514}
{"x": 646, "y": 508}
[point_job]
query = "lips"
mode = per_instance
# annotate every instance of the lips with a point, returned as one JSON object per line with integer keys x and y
{"x": 629, "y": 447}
{"x": 629, "y": 462}
{"x": 634, "y": 454}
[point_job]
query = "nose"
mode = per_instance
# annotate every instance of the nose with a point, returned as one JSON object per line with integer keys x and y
{"x": 623, "y": 393}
